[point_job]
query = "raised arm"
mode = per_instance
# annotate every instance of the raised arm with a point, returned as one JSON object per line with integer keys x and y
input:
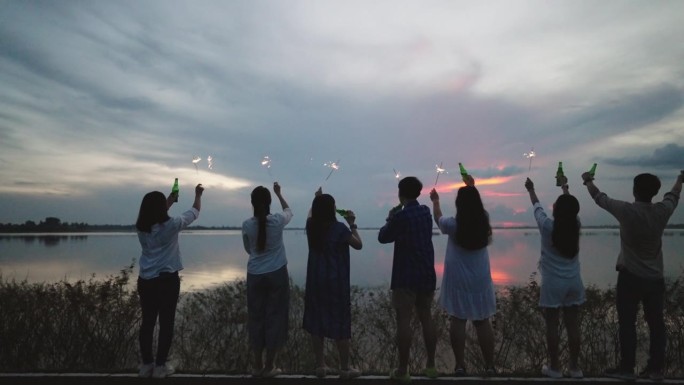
{"x": 529, "y": 185}
{"x": 591, "y": 187}
{"x": 436, "y": 208}
{"x": 677, "y": 188}
{"x": 276, "y": 190}
{"x": 197, "y": 204}
{"x": 355, "y": 238}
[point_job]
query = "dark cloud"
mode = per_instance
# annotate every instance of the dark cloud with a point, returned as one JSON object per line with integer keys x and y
{"x": 668, "y": 156}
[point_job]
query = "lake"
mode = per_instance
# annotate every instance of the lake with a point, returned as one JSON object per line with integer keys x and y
{"x": 213, "y": 257}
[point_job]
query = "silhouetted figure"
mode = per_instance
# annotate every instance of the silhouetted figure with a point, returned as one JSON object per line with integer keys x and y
{"x": 562, "y": 286}
{"x": 640, "y": 268}
{"x": 268, "y": 283}
{"x": 467, "y": 291}
{"x": 327, "y": 303}
{"x": 158, "y": 280}
{"x": 413, "y": 273}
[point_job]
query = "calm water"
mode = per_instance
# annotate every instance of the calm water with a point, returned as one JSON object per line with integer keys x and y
{"x": 213, "y": 257}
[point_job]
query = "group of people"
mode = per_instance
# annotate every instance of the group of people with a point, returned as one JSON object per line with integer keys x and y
{"x": 466, "y": 293}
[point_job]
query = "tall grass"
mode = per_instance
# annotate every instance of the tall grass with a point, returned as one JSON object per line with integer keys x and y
{"x": 92, "y": 325}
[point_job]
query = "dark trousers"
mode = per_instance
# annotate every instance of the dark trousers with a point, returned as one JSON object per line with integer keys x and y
{"x": 632, "y": 290}
{"x": 158, "y": 298}
{"x": 268, "y": 306}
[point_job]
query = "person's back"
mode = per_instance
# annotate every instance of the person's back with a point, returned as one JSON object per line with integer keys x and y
{"x": 414, "y": 255}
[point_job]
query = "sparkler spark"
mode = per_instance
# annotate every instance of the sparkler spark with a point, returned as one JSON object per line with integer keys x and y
{"x": 397, "y": 174}
{"x": 334, "y": 166}
{"x": 530, "y": 155}
{"x": 210, "y": 162}
{"x": 266, "y": 162}
{"x": 196, "y": 159}
{"x": 440, "y": 170}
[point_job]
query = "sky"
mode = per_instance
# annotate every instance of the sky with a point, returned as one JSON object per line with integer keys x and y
{"x": 104, "y": 101}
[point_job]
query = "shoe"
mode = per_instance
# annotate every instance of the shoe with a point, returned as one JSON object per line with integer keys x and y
{"x": 348, "y": 374}
{"x": 431, "y": 372}
{"x": 274, "y": 372}
{"x": 403, "y": 378}
{"x": 654, "y": 375}
{"x": 163, "y": 371}
{"x": 576, "y": 374}
{"x": 321, "y": 372}
{"x": 146, "y": 370}
{"x": 460, "y": 372}
{"x": 490, "y": 372}
{"x": 551, "y": 373}
{"x": 620, "y": 374}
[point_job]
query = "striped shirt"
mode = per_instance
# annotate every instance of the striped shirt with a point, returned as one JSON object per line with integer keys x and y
{"x": 414, "y": 256}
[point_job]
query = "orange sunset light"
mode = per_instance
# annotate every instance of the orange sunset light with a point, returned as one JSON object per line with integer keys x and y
{"x": 497, "y": 180}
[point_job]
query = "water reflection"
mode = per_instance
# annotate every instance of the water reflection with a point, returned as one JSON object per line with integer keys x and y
{"x": 214, "y": 257}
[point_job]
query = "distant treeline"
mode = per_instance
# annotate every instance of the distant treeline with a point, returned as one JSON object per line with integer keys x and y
{"x": 55, "y": 225}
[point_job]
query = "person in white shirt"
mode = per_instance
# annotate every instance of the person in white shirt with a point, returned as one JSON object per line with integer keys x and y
{"x": 158, "y": 280}
{"x": 268, "y": 282}
{"x": 562, "y": 286}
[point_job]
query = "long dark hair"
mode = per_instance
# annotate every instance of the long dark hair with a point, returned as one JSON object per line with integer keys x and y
{"x": 261, "y": 202}
{"x": 322, "y": 217}
{"x": 566, "y": 227}
{"x": 472, "y": 222}
{"x": 153, "y": 209}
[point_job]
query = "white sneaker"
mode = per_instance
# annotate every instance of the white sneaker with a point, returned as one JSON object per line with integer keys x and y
{"x": 350, "y": 373}
{"x": 551, "y": 373}
{"x": 146, "y": 370}
{"x": 163, "y": 371}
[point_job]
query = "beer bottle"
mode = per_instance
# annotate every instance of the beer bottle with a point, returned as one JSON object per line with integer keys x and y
{"x": 175, "y": 190}
{"x": 464, "y": 172}
{"x": 559, "y": 174}
{"x": 592, "y": 171}
{"x": 342, "y": 212}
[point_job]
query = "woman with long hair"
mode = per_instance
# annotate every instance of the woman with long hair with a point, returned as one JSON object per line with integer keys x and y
{"x": 327, "y": 303}
{"x": 268, "y": 283}
{"x": 158, "y": 280}
{"x": 561, "y": 286}
{"x": 467, "y": 291}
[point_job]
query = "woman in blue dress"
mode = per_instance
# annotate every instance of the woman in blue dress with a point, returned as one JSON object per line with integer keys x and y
{"x": 327, "y": 306}
{"x": 467, "y": 291}
{"x": 561, "y": 286}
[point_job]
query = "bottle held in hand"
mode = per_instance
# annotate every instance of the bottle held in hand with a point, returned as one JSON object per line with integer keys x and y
{"x": 343, "y": 213}
{"x": 592, "y": 171}
{"x": 175, "y": 189}
{"x": 560, "y": 175}
{"x": 462, "y": 169}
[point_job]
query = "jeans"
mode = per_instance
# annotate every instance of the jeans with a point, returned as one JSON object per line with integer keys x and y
{"x": 631, "y": 290}
{"x": 158, "y": 298}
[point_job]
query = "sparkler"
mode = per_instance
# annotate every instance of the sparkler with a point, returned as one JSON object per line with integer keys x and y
{"x": 440, "y": 170}
{"x": 397, "y": 174}
{"x": 334, "y": 166}
{"x": 196, "y": 159}
{"x": 530, "y": 155}
{"x": 266, "y": 162}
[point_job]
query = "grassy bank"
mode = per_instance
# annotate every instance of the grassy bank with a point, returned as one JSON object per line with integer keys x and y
{"x": 92, "y": 326}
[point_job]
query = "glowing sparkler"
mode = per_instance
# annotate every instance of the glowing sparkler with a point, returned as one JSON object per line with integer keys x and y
{"x": 440, "y": 170}
{"x": 266, "y": 162}
{"x": 196, "y": 159}
{"x": 397, "y": 174}
{"x": 334, "y": 166}
{"x": 210, "y": 162}
{"x": 530, "y": 155}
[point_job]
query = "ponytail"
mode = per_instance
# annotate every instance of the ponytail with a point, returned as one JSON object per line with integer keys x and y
{"x": 261, "y": 202}
{"x": 566, "y": 226}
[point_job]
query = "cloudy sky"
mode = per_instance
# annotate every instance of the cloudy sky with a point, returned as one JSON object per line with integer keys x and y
{"x": 103, "y": 101}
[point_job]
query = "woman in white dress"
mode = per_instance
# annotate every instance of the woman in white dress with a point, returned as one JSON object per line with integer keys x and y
{"x": 561, "y": 286}
{"x": 467, "y": 291}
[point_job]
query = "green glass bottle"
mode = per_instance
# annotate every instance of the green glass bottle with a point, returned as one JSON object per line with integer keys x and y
{"x": 464, "y": 172}
{"x": 175, "y": 189}
{"x": 342, "y": 212}
{"x": 592, "y": 171}
{"x": 560, "y": 174}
